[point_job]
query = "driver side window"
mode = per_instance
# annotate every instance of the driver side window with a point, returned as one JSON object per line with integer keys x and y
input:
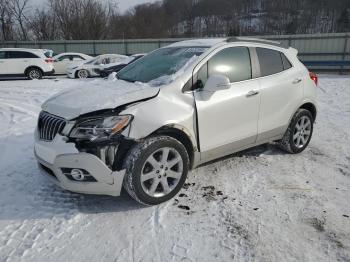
{"x": 233, "y": 62}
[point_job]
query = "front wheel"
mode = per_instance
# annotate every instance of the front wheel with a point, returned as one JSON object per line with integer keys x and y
{"x": 82, "y": 74}
{"x": 156, "y": 170}
{"x": 299, "y": 132}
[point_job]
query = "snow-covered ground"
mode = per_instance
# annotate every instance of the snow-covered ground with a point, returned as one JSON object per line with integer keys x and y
{"x": 258, "y": 205}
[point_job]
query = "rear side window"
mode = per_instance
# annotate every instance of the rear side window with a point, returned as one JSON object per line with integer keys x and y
{"x": 21, "y": 54}
{"x": 270, "y": 61}
{"x": 285, "y": 61}
{"x": 2, "y": 55}
{"x": 233, "y": 62}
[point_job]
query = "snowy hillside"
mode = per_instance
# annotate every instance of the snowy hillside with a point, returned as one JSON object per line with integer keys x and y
{"x": 258, "y": 205}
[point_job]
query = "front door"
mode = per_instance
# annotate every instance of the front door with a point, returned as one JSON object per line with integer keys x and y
{"x": 228, "y": 118}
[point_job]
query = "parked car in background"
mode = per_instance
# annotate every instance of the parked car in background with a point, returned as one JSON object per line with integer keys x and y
{"x": 65, "y": 60}
{"x": 32, "y": 63}
{"x": 116, "y": 68}
{"x": 175, "y": 109}
{"x": 93, "y": 67}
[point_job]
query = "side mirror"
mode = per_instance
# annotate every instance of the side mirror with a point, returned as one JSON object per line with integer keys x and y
{"x": 216, "y": 83}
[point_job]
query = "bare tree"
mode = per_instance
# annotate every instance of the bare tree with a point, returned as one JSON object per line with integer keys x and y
{"x": 19, "y": 9}
{"x": 43, "y": 25}
{"x": 5, "y": 20}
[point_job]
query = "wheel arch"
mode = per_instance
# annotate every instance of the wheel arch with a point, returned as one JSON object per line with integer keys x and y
{"x": 182, "y": 136}
{"x": 33, "y": 67}
{"x": 311, "y": 108}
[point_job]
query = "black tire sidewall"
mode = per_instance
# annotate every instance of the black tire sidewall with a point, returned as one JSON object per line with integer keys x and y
{"x": 300, "y": 114}
{"x": 137, "y": 170}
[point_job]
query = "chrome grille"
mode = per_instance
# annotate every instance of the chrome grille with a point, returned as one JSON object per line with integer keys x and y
{"x": 49, "y": 125}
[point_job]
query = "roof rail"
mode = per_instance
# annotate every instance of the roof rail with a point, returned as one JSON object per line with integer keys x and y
{"x": 256, "y": 40}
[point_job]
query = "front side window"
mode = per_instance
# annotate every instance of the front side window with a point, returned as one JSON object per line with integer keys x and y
{"x": 270, "y": 61}
{"x": 77, "y": 58}
{"x": 63, "y": 58}
{"x": 233, "y": 62}
{"x": 2, "y": 55}
{"x": 161, "y": 66}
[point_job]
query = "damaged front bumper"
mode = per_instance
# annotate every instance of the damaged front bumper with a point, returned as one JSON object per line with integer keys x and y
{"x": 57, "y": 158}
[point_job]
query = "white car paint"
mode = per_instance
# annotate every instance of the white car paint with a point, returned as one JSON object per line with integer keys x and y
{"x": 19, "y": 66}
{"x": 220, "y": 119}
{"x": 94, "y": 65}
{"x": 65, "y": 60}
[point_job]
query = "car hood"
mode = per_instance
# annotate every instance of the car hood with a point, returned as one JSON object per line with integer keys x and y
{"x": 91, "y": 96}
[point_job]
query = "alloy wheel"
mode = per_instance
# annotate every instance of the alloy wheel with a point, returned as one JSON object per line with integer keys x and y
{"x": 34, "y": 74}
{"x": 83, "y": 74}
{"x": 162, "y": 172}
{"x": 302, "y": 132}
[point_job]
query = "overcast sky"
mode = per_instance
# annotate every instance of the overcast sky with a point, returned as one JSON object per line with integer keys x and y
{"x": 123, "y": 4}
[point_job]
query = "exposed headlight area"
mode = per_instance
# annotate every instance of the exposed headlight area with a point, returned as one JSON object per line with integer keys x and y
{"x": 100, "y": 127}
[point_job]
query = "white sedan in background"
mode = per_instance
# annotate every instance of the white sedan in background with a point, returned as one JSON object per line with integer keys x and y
{"x": 93, "y": 67}
{"x": 65, "y": 60}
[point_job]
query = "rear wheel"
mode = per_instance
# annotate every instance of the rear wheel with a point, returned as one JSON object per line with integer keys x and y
{"x": 82, "y": 74}
{"x": 299, "y": 132}
{"x": 156, "y": 170}
{"x": 34, "y": 73}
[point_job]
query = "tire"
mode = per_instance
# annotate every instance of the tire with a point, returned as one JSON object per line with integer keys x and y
{"x": 82, "y": 74}
{"x": 299, "y": 132}
{"x": 147, "y": 172}
{"x": 34, "y": 73}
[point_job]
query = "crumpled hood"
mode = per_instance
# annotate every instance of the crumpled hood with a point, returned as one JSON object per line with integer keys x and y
{"x": 90, "y": 96}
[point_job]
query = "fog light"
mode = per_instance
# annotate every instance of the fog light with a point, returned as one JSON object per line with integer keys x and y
{"x": 77, "y": 174}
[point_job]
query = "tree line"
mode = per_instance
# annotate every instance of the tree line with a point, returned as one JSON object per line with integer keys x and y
{"x": 96, "y": 19}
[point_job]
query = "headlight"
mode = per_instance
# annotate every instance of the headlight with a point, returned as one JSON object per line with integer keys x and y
{"x": 100, "y": 127}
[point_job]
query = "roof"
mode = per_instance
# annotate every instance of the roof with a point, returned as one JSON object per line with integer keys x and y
{"x": 255, "y": 40}
{"x": 210, "y": 42}
{"x": 21, "y": 49}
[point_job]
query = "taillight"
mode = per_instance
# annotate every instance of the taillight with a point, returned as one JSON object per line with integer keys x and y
{"x": 314, "y": 77}
{"x": 49, "y": 60}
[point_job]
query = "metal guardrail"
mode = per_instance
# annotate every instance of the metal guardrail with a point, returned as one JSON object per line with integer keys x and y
{"x": 312, "y": 48}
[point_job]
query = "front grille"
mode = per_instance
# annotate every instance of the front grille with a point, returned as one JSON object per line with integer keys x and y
{"x": 49, "y": 125}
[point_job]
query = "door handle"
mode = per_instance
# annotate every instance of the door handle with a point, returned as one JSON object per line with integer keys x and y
{"x": 252, "y": 93}
{"x": 297, "y": 81}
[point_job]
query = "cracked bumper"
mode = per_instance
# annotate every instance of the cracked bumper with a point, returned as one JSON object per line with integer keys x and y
{"x": 55, "y": 156}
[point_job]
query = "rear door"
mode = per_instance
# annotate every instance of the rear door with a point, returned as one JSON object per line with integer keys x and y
{"x": 3, "y": 64}
{"x": 20, "y": 60}
{"x": 281, "y": 91}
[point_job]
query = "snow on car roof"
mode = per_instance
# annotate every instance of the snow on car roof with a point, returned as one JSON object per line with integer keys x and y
{"x": 207, "y": 42}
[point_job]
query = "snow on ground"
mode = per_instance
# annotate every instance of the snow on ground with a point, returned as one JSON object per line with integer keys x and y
{"x": 258, "y": 205}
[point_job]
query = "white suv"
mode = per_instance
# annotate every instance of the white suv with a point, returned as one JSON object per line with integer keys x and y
{"x": 32, "y": 63}
{"x": 172, "y": 110}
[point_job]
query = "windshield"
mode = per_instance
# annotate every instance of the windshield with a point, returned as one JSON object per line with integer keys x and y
{"x": 160, "y": 64}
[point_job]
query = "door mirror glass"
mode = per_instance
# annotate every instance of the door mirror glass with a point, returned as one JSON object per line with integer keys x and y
{"x": 216, "y": 83}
